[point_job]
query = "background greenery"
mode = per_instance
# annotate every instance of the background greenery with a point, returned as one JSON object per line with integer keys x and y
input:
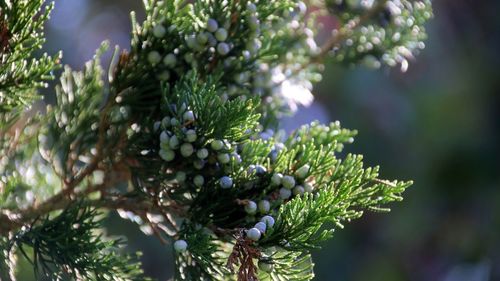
{"x": 438, "y": 124}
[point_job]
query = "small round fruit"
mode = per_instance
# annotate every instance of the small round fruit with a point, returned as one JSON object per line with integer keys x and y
{"x": 285, "y": 193}
{"x": 180, "y": 246}
{"x": 264, "y": 206}
{"x": 251, "y": 208}
{"x": 226, "y": 182}
{"x": 254, "y": 234}
{"x": 268, "y": 220}
{"x": 261, "y": 226}
{"x": 288, "y": 182}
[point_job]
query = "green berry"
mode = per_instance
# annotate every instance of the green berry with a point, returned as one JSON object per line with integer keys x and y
{"x": 198, "y": 180}
{"x": 187, "y": 149}
{"x": 276, "y": 179}
{"x": 159, "y": 31}
{"x": 191, "y": 135}
{"x": 221, "y": 34}
{"x": 167, "y": 155}
{"x": 264, "y": 206}
{"x": 217, "y": 144}
{"x": 170, "y": 60}
{"x": 251, "y": 208}
{"x": 302, "y": 172}
{"x": 223, "y": 158}
{"x": 202, "y": 153}
{"x": 298, "y": 190}
{"x": 154, "y": 57}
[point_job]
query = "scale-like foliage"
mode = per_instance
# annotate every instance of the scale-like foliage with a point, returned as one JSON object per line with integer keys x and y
{"x": 181, "y": 139}
{"x": 68, "y": 246}
{"x": 21, "y": 25}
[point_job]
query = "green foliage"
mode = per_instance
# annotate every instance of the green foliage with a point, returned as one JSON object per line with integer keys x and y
{"x": 175, "y": 40}
{"x": 205, "y": 259}
{"x": 392, "y": 35}
{"x": 69, "y": 246}
{"x": 21, "y": 25}
{"x": 287, "y": 265}
{"x": 180, "y": 140}
{"x": 234, "y": 120}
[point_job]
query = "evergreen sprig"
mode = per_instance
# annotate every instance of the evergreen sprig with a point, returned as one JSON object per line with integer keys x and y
{"x": 182, "y": 138}
{"x": 21, "y": 26}
{"x": 392, "y": 35}
{"x": 68, "y": 246}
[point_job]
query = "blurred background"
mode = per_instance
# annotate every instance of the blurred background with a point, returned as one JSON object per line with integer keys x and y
{"x": 438, "y": 124}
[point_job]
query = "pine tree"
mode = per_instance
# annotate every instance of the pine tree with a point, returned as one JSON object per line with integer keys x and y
{"x": 180, "y": 135}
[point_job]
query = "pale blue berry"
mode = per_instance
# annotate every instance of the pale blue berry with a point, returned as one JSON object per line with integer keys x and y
{"x": 221, "y": 34}
{"x": 246, "y": 55}
{"x": 260, "y": 170}
{"x": 212, "y": 42}
{"x": 261, "y": 227}
{"x": 253, "y": 234}
{"x": 180, "y": 246}
{"x": 212, "y": 25}
{"x": 188, "y": 116}
{"x": 264, "y": 206}
{"x": 187, "y": 149}
{"x": 173, "y": 142}
{"x": 167, "y": 155}
{"x": 302, "y": 7}
{"x": 202, "y": 153}
{"x": 174, "y": 122}
{"x": 226, "y": 182}
{"x": 236, "y": 158}
{"x": 251, "y": 169}
{"x": 268, "y": 220}
{"x": 288, "y": 182}
{"x": 156, "y": 126}
{"x": 251, "y": 7}
{"x": 159, "y": 31}
{"x": 164, "y": 138}
{"x": 165, "y": 122}
{"x": 198, "y": 180}
{"x": 251, "y": 207}
{"x": 223, "y": 49}
{"x": 285, "y": 193}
